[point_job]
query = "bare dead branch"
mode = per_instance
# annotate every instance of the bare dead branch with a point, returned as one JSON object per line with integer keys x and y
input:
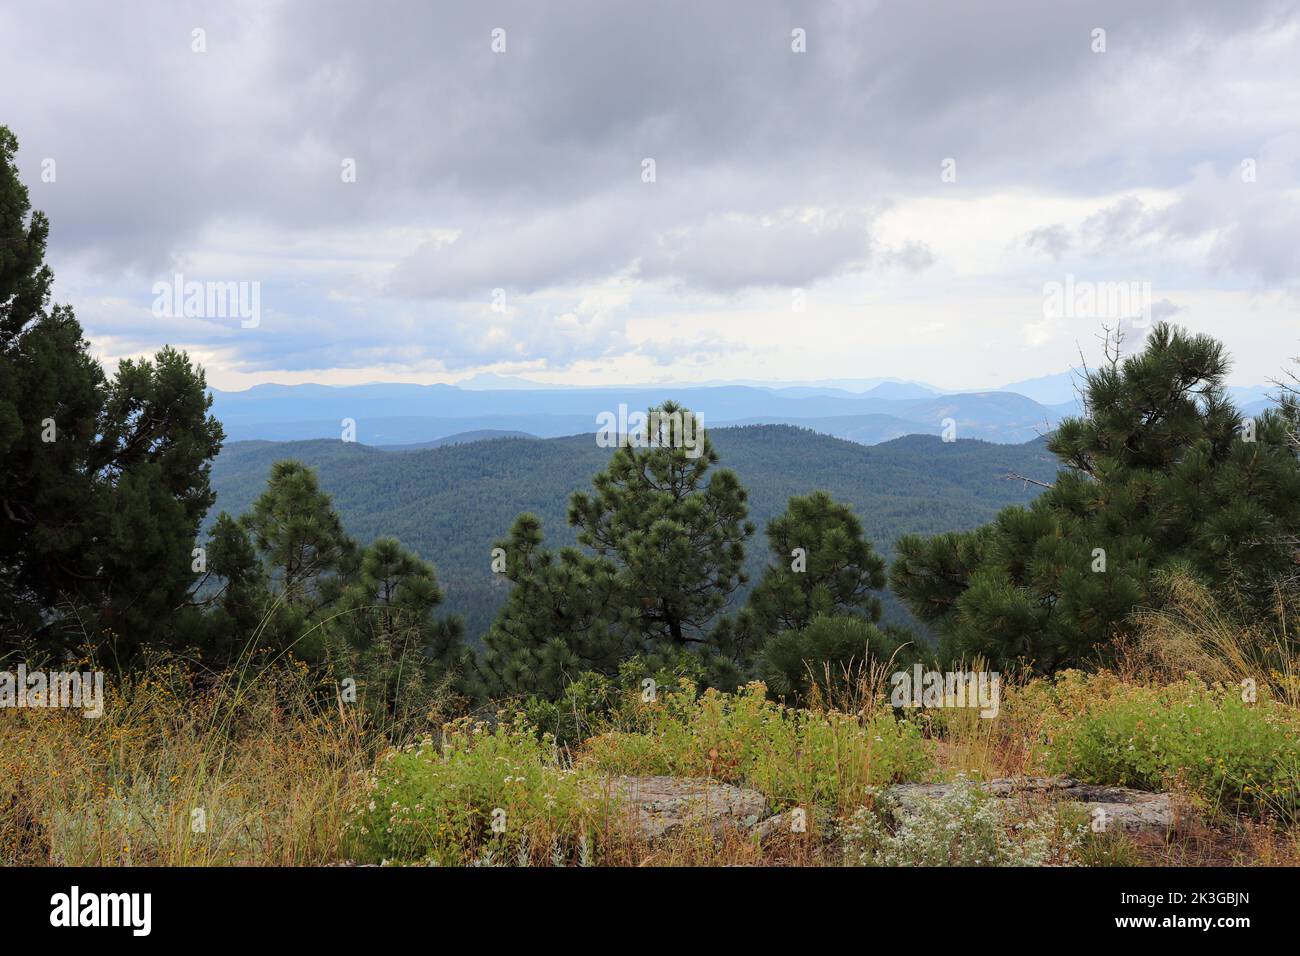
{"x": 1013, "y": 476}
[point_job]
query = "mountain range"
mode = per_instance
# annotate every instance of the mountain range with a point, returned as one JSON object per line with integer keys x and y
{"x": 453, "y": 503}
{"x": 392, "y": 414}
{"x": 865, "y": 411}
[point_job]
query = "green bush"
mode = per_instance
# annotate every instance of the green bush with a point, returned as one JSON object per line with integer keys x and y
{"x": 793, "y": 756}
{"x": 1238, "y": 756}
{"x": 437, "y": 805}
{"x": 582, "y": 710}
{"x": 832, "y": 653}
{"x": 593, "y": 703}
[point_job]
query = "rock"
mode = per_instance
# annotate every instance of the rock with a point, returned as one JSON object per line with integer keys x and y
{"x": 1133, "y": 811}
{"x": 1112, "y": 808}
{"x": 820, "y": 821}
{"x": 774, "y": 827}
{"x": 664, "y": 805}
{"x": 661, "y": 806}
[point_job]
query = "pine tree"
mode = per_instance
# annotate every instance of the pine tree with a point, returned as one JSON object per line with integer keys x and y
{"x": 832, "y": 652}
{"x": 1289, "y": 402}
{"x": 676, "y": 540}
{"x": 103, "y": 483}
{"x": 382, "y": 631}
{"x": 1161, "y": 471}
{"x": 824, "y": 571}
{"x": 673, "y": 533}
{"x": 236, "y": 596}
{"x": 666, "y": 538}
{"x": 823, "y": 565}
{"x": 306, "y": 555}
{"x": 559, "y": 621}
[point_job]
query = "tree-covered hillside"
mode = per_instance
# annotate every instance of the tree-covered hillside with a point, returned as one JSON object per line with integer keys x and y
{"x": 451, "y": 504}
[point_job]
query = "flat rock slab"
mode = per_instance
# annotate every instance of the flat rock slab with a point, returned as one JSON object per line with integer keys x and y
{"x": 1111, "y": 808}
{"x": 664, "y": 805}
{"x": 661, "y": 806}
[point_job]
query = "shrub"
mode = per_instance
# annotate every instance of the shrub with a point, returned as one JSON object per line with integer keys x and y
{"x": 593, "y": 703}
{"x": 965, "y": 827}
{"x": 438, "y": 805}
{"x": 793, "y": 756}
{"x": 1237, "y": 756}
{"x": 583, "y": 709}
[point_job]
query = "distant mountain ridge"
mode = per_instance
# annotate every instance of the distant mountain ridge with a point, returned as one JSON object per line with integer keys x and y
{"x": 412, "y": 414}
{"x": 452, "y": 504}
{"x": 388, "y": 414}
{"x": 460, "y": 438}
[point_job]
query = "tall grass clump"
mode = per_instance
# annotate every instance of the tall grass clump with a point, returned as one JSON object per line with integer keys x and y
{"x": 241, "y": 770}
{"x": 1193, "y": 633}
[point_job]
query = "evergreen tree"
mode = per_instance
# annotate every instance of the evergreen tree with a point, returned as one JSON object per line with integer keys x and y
{"x": 103, "y": 483}
{"x": 559, "y": 621}
{"x": 825, "y": 571}
{"x": 383, "y": 633}
{"x": 1289, "y": 402}
{"x": 667, "y": 542}
{"x": 306, "y": 555}
{"x": 823, "y": 565}
{"x": 832, "y": 652}
{"x": 673, "y": 534}
{"x": 237, "y": 600}
{"x": 1159, "y": 472}
{"x": 676, "y": 540}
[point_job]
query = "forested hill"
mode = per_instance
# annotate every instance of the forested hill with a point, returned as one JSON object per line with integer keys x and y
{"x": 452, "y": 504}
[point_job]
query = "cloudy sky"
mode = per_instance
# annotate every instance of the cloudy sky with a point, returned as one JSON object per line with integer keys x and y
{"x": 892, "y": 200}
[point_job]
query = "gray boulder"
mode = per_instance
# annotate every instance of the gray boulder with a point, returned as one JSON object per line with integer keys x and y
{"x": 664, "y": 805}
{"x": 1110, "y": 808}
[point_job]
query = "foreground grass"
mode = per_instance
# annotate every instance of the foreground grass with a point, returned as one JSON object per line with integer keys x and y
{"x": 275, "y": 771}
{"x": 255, "y": 773}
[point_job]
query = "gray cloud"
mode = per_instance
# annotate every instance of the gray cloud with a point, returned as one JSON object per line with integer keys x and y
{"x": 1054, "y": 240}
{"x": 771, "y": 165}
{"x": 911, "y": 256}
{"x": 726, "y": 252}
{"x": 1163, "y": 309}
{"x": 1117, "y": 224}
{"x": 165, "y": 140}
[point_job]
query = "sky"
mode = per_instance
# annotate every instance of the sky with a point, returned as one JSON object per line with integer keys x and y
{"x": 610, "y": 192}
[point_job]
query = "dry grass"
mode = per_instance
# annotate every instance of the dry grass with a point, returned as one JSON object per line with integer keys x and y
{"x": 1192, "y": 634}
{"x": 274, "y": 762}
{"x": 244, "y": 772}
{"x": 701, "y": 846}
